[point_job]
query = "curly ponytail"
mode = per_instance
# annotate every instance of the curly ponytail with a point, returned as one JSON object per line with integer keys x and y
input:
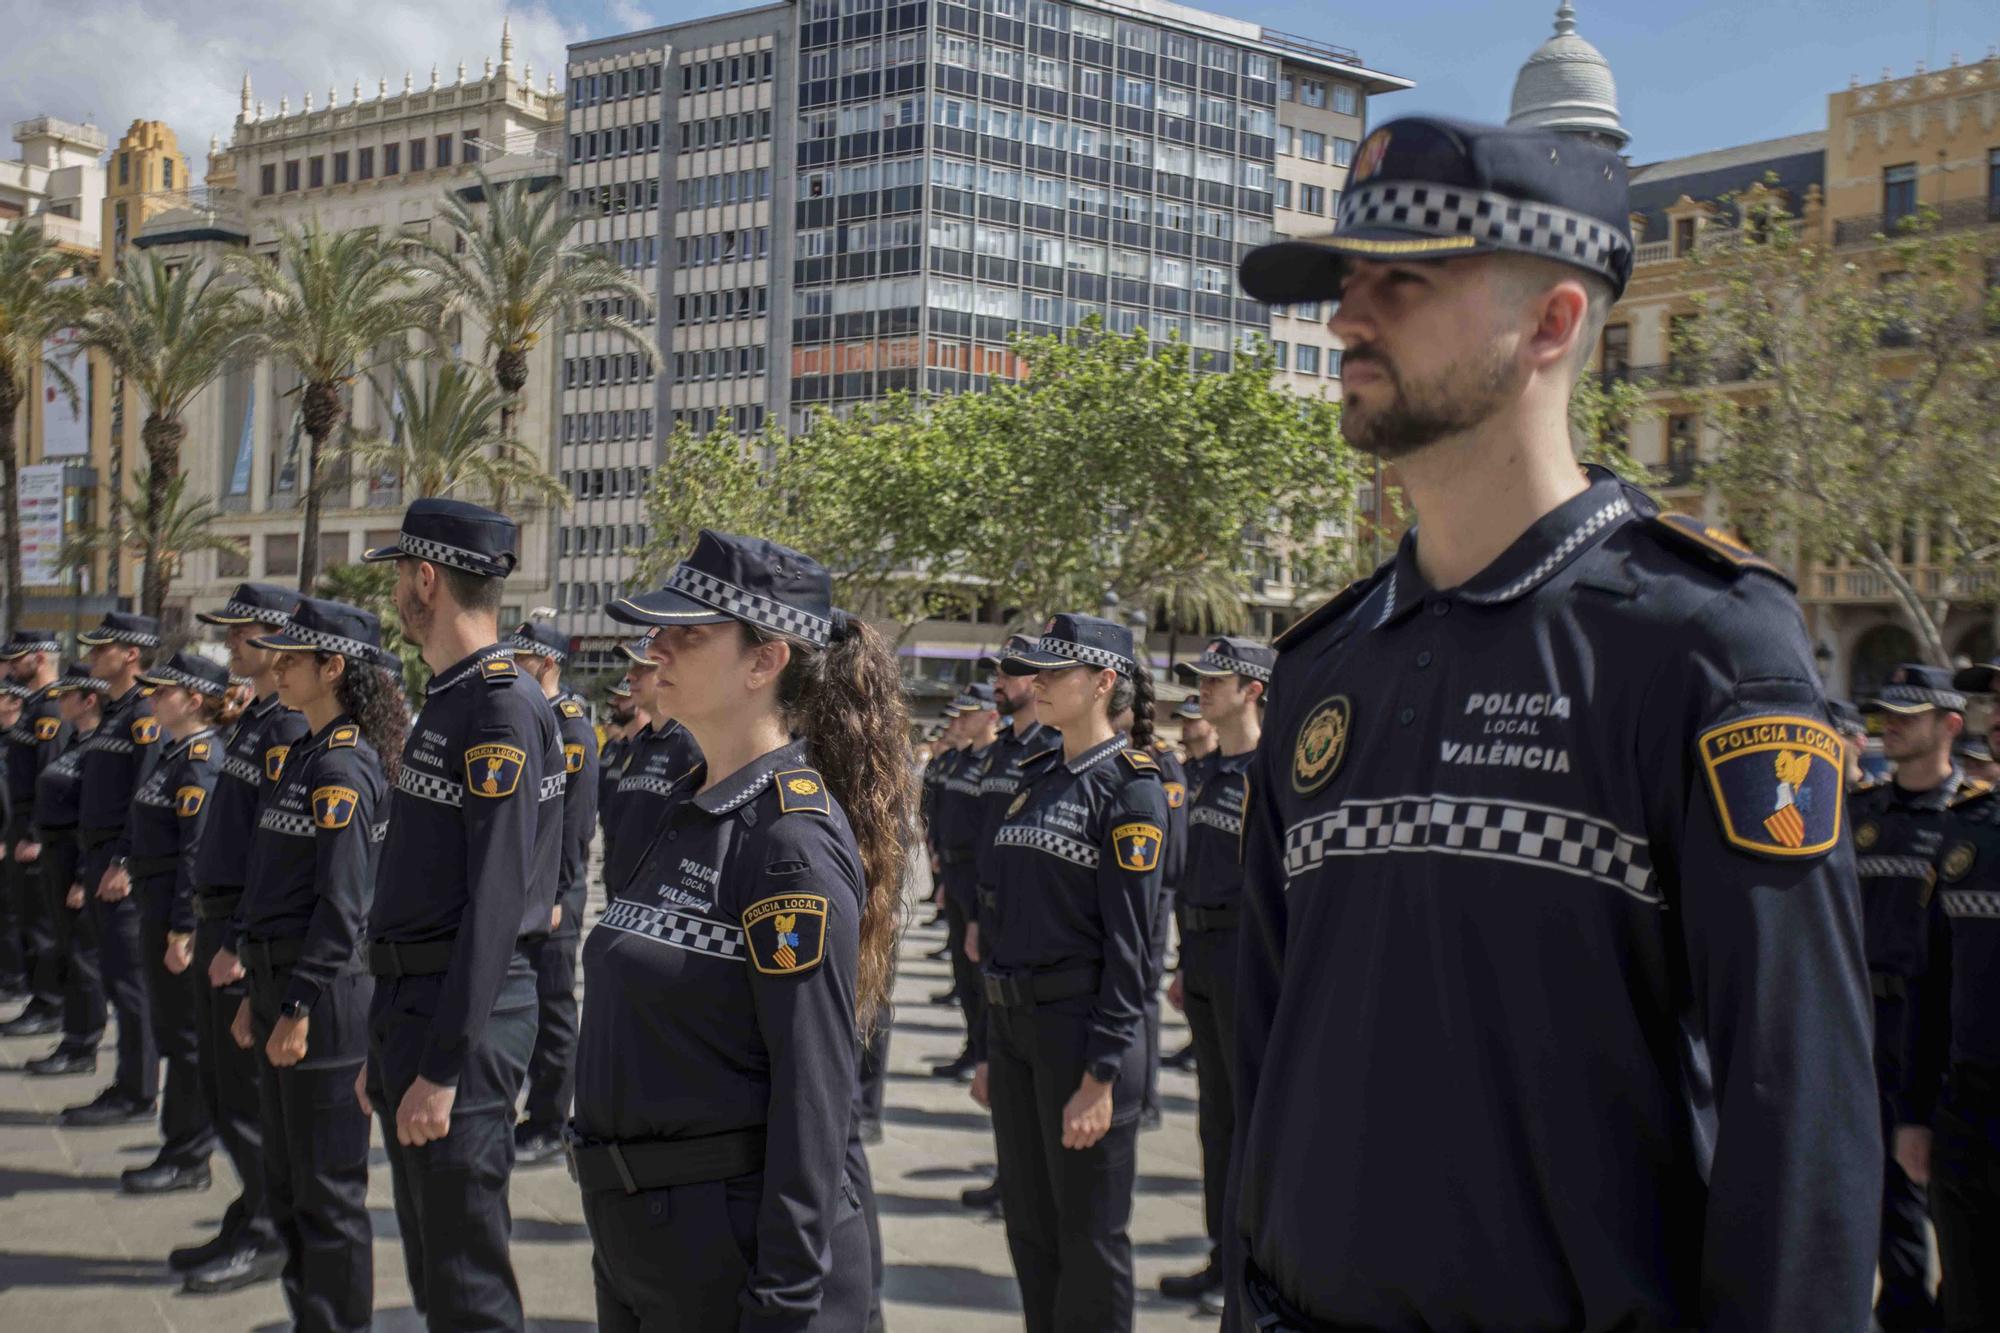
{"x": 372, "y": 697}
{"x": 847, "y": 701}
{"x": 1135, "y": 692}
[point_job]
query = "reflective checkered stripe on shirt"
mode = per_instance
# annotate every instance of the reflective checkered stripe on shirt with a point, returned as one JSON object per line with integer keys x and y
{"x": 242, "y": 770}
{"x": 1042, "y": 840}
{"x": 1000, "y": 785}
{"x": 962, "y": 787}
{"x": 651, "y": 786}
{"x": 553, "y": 785}
{"x": 428, "y": 787}
{"x": 1217, "y": 819}
{"x": 692, "y": 933}
{"x": 154, "y": 793}
{"x": 1891, "y": 867}
{"x": 1524, "y": 834}
{"x": 1983, "y": 903}
{"x": 292, "y": 826}
{"x": 102, "y": 744}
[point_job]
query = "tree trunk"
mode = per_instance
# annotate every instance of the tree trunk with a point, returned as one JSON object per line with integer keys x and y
{"x": 10, "y": 499}
{"x": 510, "y": 372}
{"x": 162, "y": 438}
{"x": 320, "y": 412}
{"x": 1917, "y": 617}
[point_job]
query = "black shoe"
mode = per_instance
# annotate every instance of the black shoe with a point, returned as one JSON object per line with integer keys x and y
{"x": 111, "y": 1107}
{"x": 945, "y": 997}
{"x": 235, "y": 1270}
{"x": 875, "y": 1324}
{"x": 37, "y": 1020}
{"x": 871, "y": 1129}
{"x": 59, "y": 1062}
{"x": 1192, "y": 1286}
{"x": 1183, "y": 1059}
{"x": 11, "y": 991}
{"x": 960, "y": 1070}
{"x": 190, "y": 1257}
{"x": 942, "y": 951}
{"x": 981, "y": 1196}
{"x": 1213, "y": 1303}
{"x": 165, "y": 1178}
{"x": 533, "y": 1146}
{"x": 1149, "y": 1118}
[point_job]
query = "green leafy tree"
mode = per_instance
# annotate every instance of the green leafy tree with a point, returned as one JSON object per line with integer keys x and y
{"x": 164, "y": 532}
{"x": 168, "y": 330}
{"x": 37, "y": 302}
{"x": 451, "y": 436}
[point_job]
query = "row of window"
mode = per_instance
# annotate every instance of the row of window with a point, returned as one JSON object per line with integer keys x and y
{"x": 616, "y": 84}
{"x": 629, "y": 252}
{"x": 281, "y": 552}
{"x": 586, "y": 596}
{"x": 360, "y": 164}
{"x": 744, "y": 419}
{"x": 1312, "y": 146}
{"x": 595, "y": 427}
{"x": 729, "y": 303}
{"x": 722, "y": 247}
{"x": 607, "y": 483}
{"x": 898, "y": 353}
{"x": 1306, "y": 310}
{"x": 1305, "y": 358}
{"x": 617, "y": 141}
{"x": 1003, "y": 122}
{"x": 726, "y": 72}
{"x": 1099, "y": 26}
{"x": 1314, "y": 199}
{"x": 731, "y": 187}
{"x": 722, "y": 131}
{"x": 615, "y": 199}
{"x": 1052, "y": 252}
{"x": 632, "y": 312}
{"x": 600, "y": 539}
{"x": 1345, "y": 97}
{"x": 583, "y": 372}
{"x": 719, "y": 363}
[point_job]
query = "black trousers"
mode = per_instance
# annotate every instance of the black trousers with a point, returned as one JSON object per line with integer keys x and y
{"x": 1965, "y": 1199}
{"x": 1156, "y": 971}
{"x": 316, "y": 1153}
{"x": 1208, "y": 991}
{"x": 41, "y": 965}
{"x": 674, "y": 1260}
{"x": 229, "y": 1089}
{"x": 875, "y": 1060}
{"x": 1904, "y": 1304}
{"x": 120, "y": 933}
{"x": 552, "y": 1063}
{"x": 16, "y": 965}
{"x": 451, "y": 1194}
{"x": 81, "y": 972}
{"x": 1067, "y": 1210}
{"x": 961, "y": 888}
{"x": 186, "y": 1130}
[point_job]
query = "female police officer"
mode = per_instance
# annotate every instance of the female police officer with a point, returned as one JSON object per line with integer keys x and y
{"x": 1066, "y": 951}
{"x": 58, "y": 790}
{"x": 717, "y": 1066}
{"x": 311, "y": 877}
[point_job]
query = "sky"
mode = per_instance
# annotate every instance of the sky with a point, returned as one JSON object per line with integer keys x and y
{"x": 1692, "y": 74}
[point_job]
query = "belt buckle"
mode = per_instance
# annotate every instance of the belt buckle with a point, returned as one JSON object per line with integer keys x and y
{"x": 569, "y": 1152}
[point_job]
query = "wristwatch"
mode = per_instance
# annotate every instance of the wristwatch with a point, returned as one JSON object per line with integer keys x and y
{"x": 292, "y": 1009}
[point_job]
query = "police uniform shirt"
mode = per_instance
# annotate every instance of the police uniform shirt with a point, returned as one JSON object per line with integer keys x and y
{"x": 579, "y": 818}
{"x": 313, "y": 859}
{"x": 1080, "y": 853}
{"x": 116, "y": 759}
{"x": 475, "y": 829}
{"x": 253, "y": 754}
{"x": 1017, "y": 749}
{"x": 169, "y": 813}
{"x": 1173, "y": 782}
{"x": 936, "y": 773}
{"x": 659, "y": 758}
{"x": 609, "y": 761}
{"x": 1962, "y": 1025}
{"x": 33, "y": 743}
{"x": 955, "y": 811}
{"x": 1215, "y": 831}
{"x": 720, "y": 996}
{"x": 59, "y": 789}
{"x": 1551, "y": 957}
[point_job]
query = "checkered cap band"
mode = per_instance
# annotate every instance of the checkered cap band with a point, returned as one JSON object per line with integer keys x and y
{"x": 1216, "y": 819}
{"x": 292, "y": 826}
{"x": 443, "y": 553}
{"x": 1045, "y": 840}
{"x": 137, "y": 638}
{"x": 1544, "y": 837}
{"x": 1920, "y": 696}
{"x": 522, "y": 644}
{"x": 263, "y": 615}
{"x": 1981, "y": 903}
{"x": 1493, "y": 219}
{"x": 337, "y": 643}
{"x": 1892, "y": 867}
{"x": 742, "y": 604}
{"x": 169, "y": 675}
{"x": 428, "y": 787}
{"x": 23, "y": 649}
{"x": 96, "y": 683}
{"x": 679, "y": 929}
{"x": 1222, "y": 663}
{"x": 1088, "y": 656}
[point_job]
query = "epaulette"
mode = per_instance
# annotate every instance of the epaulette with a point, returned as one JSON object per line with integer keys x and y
{"x": 200, "y": 750}
{"x": 343, "y": 738}
{"x": 1140, "y": 760}
{"x": 1973, "y": 789}
{"x": 148, "y": 691}
{"x": 1331, "y": 609}
{"x": 801, "y": 789}
{"x": 569, "y": 708}
{"x": 1038, "y": 757}
{"x": 1716, "y": 547}
{"x": 498, "y": 670}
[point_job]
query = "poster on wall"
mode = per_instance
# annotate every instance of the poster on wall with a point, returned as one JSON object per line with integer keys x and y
{"x": 65, "y": 426}
{"x": 40, "y": 523}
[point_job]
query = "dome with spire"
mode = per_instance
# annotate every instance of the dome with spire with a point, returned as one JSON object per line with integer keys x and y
{"x": 1566, "y": 86}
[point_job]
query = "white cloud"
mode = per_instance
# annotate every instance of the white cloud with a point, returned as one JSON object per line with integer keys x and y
{"x": 183, "y": 61}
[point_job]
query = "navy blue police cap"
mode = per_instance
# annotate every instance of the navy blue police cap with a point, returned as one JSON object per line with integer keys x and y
{"x": 1426, "y": 188}
{"x": 748, "y": 579}
{"x": 123, "y": 627}
{"x": 1982, "y": 678}
{"x": 541, "y": 639}
{"x": 1846, "y": 717}
{"x": 1226, "y": 656}
{"x": 621, "y": 689}
{"x": 76, "y": 676}
{"x": 10, "y": 690}
{"x": 320, "y": 626}
{"x": 1915, "y": 688}
{"x": 1190, "y": 709}
{"x": 634, "y": 651}
{"x": 458, "y": 534}
{"x": 253, "y": 604}
{"x": 190, "y": 671}
{"x": 27, "y": 641}
{"x": 1071, "y": 640}
{"x": 1975, "y": 748}
{"x": 973, "y": 699}
{"x": 1014, "y": 643}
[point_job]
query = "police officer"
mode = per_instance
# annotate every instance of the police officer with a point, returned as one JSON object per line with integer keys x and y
{"x": 1173, "y": 864}
{"x": 1233, "y": 674}
{"x": 617, "y": 741}
{"x": 717, "y": 1070}
{"x": 118, "y": 757}
{"x": 540, "y": 650}
{"x": 169, "y": 813}
{"x": 1197, "y": 749}
{"x": 470, "y": 866}
{"x": 1974, "y": 755}
{"x": 58, "y": 797}
{"x": 1547, "y": 818}
{"x": 1078, "y": 855}
{"x": 246, "y": 1248}
{"x": 35, "y": 740}
{"x": 955, "y": 828}
{"x": 659, "y": 755}
{"x": 311, "y": 876}
{"x": 1900, "y": 828}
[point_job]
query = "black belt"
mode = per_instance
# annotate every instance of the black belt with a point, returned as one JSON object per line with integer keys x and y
{"x": 652, "y": 1164}
{"x": 216, "y": 906}
{"x": 55, "y": 833}
{"x": 1888, "y": 986}
{"x": 270, "y": 955}
{"x": 1025, "y": 990}
{"x": 387, "y": 958}
{"x": 148, "y": 867}
{"x": 1269, "y": 1312}
{"x": 97, "y": 837}
{"x": 1206, "y": 918}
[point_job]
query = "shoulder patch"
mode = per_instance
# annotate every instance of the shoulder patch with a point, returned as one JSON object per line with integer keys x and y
{"x": 494, "y": 770}
{"x": 47, "y": 727}
{"x": 1140, "y": 760}
{"x": 786, "y": 933}
{"x": 343, "y": 738}
{"x": 801, "y": 789}
{"x": 188, "y": 801}
{"x": 1138, "y": 846}
{"x": 274, "y": 762}
{"x": 1716, "y": 546}
{"x": 333, "y": 807}
{"x": 200, "y": 750}
{"x": 1957, "y": 861}
{"x": 1331, "y": 609}
{"x": 570, "y": 708}
{"x": 1776, "y": 781}
{"x": 145, "y": 730}
{"x": 573, "y": 757}
{"x": 1973, "y": 789}
{"x": 498, "y": 670}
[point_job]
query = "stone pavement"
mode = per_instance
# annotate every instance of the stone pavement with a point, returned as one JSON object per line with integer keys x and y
{"x": 77, "y": 1253}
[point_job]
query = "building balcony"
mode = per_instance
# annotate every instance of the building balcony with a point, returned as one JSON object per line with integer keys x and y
{"x": 1682, "y": 374}
{"x": 1931, "y": 581}
{"x": 1952, "y": 215}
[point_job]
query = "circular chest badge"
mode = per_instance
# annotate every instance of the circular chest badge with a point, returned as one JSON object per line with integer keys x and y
{"x": 1864, "y": 837}
{"x": 1957, "y": 862}
{"x": 1322, "y": 744}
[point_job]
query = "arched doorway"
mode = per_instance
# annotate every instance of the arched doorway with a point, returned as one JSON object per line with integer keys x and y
{"x": 1975, "y": 645}
{"x": 1876, "y": 653}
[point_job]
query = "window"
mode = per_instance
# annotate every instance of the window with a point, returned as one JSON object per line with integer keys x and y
{"x": 1617, "y": 353}
{"x": 167, "y": 174}
{"x": 364, "y": 164}
{"x": 1343, "y": 152}
{"x": 340, "y": 168}
{"x": 1346, "y": 100}
{"x": 1683, "y": 235}
{"x": 124, "y": 168}
{"x": 1135, "y": 92}
{"x": 316, "y": 172}
{"x": 468, "y": 144}
{"x": 444, "y": 150}
{"x": 235, "y": 562}
{"x": 1253, "y": 175}
{"x": 1212, "y": 167}
{"x": 1134, "y": 37}
{"x": 281, "y": 553}
{"x": 1312, "y": 145}
{"x": 1993, "y": 183}
{"x": 1256, "y": 120}
{"x": 1179, "y": 46}
{"x": 1285, "y": 94}
{"x": 1899, "y": 194}
{"x": 1175, "y": 102}
{"x": 1088, "y": 23}
{"x": 1683, "y": 450}
{"x": 1260, "y": 67}
{"x": 1279, "y": 350}
{"x": 416, "y": 155}
{"x": 392, "y": 154}
{"x": 1215, "y": 111}
{"x": 291, "y": 175}
{"x": 1208, "y": 278}
{"x": 1312, "y": 92}
{"x": 267, "y": 179}
{"x": 1285, "y": 141}
{"x": 1281, "y": 192}
{"x": 1174, "y": 159}
{"x": 1091, "y": 82}
{"x": 1308, "y": 360}
{"x": 1312, "y": 199}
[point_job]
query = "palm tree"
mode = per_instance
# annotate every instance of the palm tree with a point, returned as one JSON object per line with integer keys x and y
{"x": 451, "y": 436}
{"x": 169, "y": 529}
{"x": 514, "y": 272}
{"x": 35, "y": 306}
{"x": 325, "y": 305}
{"x": 373, "y": 588}
{"x": 169, "y": 330}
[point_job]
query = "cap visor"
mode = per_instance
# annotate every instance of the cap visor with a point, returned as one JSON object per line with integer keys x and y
{"x": 94, "y": 639}
{"x": 664, "y": 607}
{"x": 281, "y": 642}
{"x": 13, "y": 654}
{"x": 1897, "y": 706}
{"x": 217, "y": 618}
{"x": 1195, "y": 670}
{"x": 382, "y": 553}
{"x": 1311, "y": 269}
{"x": 148, "y": 678}
{"x": 1027, "y": 664}
{"x": 1979, "y": 679}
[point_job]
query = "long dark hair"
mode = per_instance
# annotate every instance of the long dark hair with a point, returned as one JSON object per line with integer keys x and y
{"x": 1136, "y": 693}
{"x": 372, "y": 697}
{"x": 847, "y": 701}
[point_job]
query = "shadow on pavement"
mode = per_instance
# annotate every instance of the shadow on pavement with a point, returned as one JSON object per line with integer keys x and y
{"x": 915, "y": 1116}
{"x": 14, "y": 1117}
{"x": 919, "y": 1205}
{"x": 981, "y": 1171}
{"x": 17, "y": 1180}
{"x": 951, "y": 1286}
{"x": 544, "y": 1230}
{"x": 1168, "y": 1185}
{"x": 403, "y": 1319}
{"x": 19, "y": 1269}
{"x": 1188, "y": 1245}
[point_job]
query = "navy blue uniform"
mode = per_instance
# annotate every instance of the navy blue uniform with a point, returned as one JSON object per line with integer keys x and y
{"x": 311, "y": 875}
{"x": 470, "y": 866}
{"x": 655, "y": 760}
{"x": 33, "y": 743}
{"x": 552, "y": 1065}
{"x": 58, "y": 799}
{"x": 1066, "y": 950}
{"x": 169, "y": 814}
{"x": 119, "y": 756}
{"x": 955, "y": 828}
{"x": 1173, "y": 863}
{"x": 1565, "y": 838}
{"x": 1017, "y": 749}
{"x": 719, "y": 1047}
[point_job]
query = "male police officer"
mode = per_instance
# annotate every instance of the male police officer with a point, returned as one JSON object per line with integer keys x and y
{"x": 541, "y": 650}
{"x": 657, "y": 758}
{"x": 470, "y": 867}
{"x": 956, "y": 819}
{"x": 1553, "y": 1001}
{"x": 33, "y": 743}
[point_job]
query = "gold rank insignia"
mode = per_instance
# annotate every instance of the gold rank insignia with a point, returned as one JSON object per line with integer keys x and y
{"x": 343, "y": 738}
{"x": 573, "y": 757}
{"x": 801, "y": 789}
{"x": 570, "y": 708}
{"x": 333, "y": 807}
{"x": 1322, "y": 744}
{"x": 47, "y": 727}
{"x": 494, "y": 770}
{"x": 1864, "y": 837}
{"x": 1776, "y": 782}
{"x": 199, "y": 750}
{"x": 1176, "y": 795}
{"x": 498, "y": 668}
{"x": 274, "y": 761}
{"x": 1957, "y": 862}
{"x": 786, "y": 933}
{"x": 1138, "y": 846}
{"x": 187, "y": 801}
{"x": 145, "y": 730}
{"x": 1015, "y": 808}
